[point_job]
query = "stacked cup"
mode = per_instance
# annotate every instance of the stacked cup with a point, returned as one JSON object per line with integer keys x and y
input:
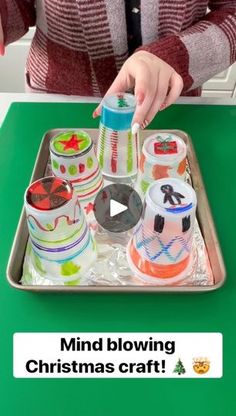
{"x": 163, "y": 155}
{"x": 118, "y": 149}
{"x": 160, "y": 250}
{"x": 73, "y": 158}
{"x": 62, "y": 246}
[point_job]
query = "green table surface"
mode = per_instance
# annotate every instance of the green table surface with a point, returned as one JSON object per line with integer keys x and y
{"x": 213, "y": 132}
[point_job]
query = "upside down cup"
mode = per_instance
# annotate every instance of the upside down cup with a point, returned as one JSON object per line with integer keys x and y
{"x": 163, "y": 155}
{"x": 160, "y": 250}
{"x": 118, "y": 148}
{"x": 73, "y": 158}
{"x": 62, "y": 246}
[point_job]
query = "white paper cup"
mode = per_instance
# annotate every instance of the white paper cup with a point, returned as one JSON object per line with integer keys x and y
{"x": 61, "y": 241}
{"x": 118, "y": 149}
{"x": 162, "y": 241}
{"x": 163, "y": 155}
{"x": 73, "y": 158}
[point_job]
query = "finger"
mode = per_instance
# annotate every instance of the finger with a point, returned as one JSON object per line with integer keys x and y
{"x": 176, "y": 87}
{"x": 2, "y": 49}
{"x": 97, "y": 111}
{"x": 145, "y": 87}
{"x": 121, "y": 84}
{"x": 160, "y": 96}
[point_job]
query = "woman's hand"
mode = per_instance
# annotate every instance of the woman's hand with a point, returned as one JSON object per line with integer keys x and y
{"x": 156, "y": 86}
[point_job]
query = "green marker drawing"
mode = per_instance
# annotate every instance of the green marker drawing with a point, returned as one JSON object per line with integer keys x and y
{"x": 102, "y": 146}
{"x": 129, "y": 153}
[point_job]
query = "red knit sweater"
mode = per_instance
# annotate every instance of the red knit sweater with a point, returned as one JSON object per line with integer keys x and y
{"x": 80, "y": 45}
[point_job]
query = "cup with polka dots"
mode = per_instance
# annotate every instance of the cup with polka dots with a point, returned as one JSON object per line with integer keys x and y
{"x": 73, "y": 158}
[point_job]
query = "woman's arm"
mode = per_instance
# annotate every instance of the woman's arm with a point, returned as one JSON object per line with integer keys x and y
{"x": 16, "y": 16}
{"x": 204, "y": 49}
{"x": 160, "y": 70}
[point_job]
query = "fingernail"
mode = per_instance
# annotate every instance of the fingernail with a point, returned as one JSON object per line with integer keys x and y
{"x": 162, "y": 106}
{"x": 95, "y": 113}
{"x": 135, "y": 128}
{"x": 144, "y": 124}
{"x": 2, "y": 49}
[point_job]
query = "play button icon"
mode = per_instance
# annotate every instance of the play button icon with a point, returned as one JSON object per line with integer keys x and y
{"x": 118, "y": 208}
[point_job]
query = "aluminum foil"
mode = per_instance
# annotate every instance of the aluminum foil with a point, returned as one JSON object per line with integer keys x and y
{"x": 111, "y": 267}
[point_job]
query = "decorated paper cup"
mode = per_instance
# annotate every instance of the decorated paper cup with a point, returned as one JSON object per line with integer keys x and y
{"x": 161, "y": 247}
{"x": 73, "y": 158}
{"x": 62, "y": 246}
{"x": 163, "y": 155}
{"x": 118, "y": 149}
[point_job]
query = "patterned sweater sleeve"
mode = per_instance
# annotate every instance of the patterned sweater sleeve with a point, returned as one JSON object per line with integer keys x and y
{"x": 204, "y": 49}
{"x": 16, "y": 16}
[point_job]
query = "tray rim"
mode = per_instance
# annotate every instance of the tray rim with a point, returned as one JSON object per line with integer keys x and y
{"x": 124, "y": 289}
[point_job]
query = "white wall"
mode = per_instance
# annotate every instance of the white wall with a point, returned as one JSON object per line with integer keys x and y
{"x": 222, "y": 85}
{"x": 12, "y": 65}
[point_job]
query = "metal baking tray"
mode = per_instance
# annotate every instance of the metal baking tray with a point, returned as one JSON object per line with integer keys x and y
{"x": 15, "y": 264}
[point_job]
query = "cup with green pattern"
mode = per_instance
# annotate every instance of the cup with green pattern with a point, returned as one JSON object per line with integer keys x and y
{"x": 73, "y": 158}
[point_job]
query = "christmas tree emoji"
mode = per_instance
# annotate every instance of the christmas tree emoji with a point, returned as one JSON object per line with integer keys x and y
{"x": 179, "y": 368}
